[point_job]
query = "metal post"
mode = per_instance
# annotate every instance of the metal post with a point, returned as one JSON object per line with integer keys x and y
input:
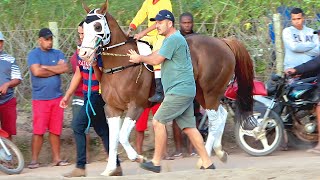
{"x": 53, "y": 26}
{"x": 278, "y": 43}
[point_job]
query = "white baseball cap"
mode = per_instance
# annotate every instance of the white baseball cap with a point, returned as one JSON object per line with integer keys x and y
{"x": 1, "y": 36}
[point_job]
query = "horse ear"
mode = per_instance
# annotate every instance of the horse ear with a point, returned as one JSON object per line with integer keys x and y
{"x": 104, "y": 7}
{"x": 85, "y": 7}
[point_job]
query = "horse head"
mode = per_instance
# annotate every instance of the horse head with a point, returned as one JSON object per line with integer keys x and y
{"x": 96, "y": 31}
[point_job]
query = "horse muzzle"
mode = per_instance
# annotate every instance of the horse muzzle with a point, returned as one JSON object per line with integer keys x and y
{"x": 87, "y": 54}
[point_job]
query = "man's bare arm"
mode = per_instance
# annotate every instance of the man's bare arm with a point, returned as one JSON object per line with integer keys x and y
{"x": 60, "y": 68}
{"x": 97, "y": 72}
{"x": 39, "y": 71}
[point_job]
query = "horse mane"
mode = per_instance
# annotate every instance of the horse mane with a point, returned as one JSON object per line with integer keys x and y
{"x": 117, "y": 31}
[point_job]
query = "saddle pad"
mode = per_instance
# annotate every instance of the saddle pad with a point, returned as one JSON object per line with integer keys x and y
{"x": 144, "y": 49}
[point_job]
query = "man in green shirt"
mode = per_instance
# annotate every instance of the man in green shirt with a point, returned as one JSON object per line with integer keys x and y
{"x": 179, "y": 88}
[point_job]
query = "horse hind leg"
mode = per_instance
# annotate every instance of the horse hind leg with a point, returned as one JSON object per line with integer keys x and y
{"x": 217, "y": 147}
{"x": 114, "y": 130}
{"x": 217, "y": 120}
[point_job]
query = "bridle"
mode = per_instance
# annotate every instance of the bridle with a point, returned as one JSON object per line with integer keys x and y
{"x": 101, "y": 46}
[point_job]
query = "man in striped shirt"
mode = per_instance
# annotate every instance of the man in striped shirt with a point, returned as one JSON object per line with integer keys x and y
{"x": 80, "y": 122}
{"x": 10, "y": 77}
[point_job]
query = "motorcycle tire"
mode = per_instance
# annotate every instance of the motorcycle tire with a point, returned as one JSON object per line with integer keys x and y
{"x": 272, "y": 139}
{"x": 296, "y": 143}
{"x": 13, "y": 164}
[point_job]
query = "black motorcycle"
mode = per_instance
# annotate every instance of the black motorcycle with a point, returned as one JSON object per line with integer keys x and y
{"x": 287, "y": 113}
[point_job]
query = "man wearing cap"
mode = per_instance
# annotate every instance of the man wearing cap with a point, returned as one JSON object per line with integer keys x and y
{"x": 46, "y": 65}
{"x": 149, "y": 9}
{"x": 10, "y": 77}
{"x": 179, "y": 88}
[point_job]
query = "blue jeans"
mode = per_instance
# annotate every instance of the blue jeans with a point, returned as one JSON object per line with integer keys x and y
{"x": 99, "y": 123}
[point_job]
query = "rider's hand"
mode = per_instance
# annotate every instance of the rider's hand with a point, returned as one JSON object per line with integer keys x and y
{"x": 290, "y": 71}
{"x": 134, "y": 56}
{"x": 138, "y": 36}
{"x": 128, "y": 33}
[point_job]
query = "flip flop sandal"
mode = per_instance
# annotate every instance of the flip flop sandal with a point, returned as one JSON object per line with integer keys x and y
{"x": 178, "y": 155}
{"x": 316, "y": 151}
{"x": 62, "y": 163}
{"x": 33, "y": 165}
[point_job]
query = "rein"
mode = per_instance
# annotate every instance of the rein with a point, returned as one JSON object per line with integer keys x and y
{"x": 120, "y": 68}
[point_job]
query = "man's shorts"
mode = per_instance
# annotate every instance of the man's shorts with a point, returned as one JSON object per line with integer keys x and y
{"x": 8, "y": 116}
{"x": 142, "y": 122}
{"x": 47, "y": 115}
{"x": 179, "y": 108}
{"x": 156, "y": 42}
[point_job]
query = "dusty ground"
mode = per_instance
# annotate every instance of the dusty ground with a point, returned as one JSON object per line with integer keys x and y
{"x": 24, "y": 136}
{"x": 289, "y": 165}
{"x": 282, "y": 165}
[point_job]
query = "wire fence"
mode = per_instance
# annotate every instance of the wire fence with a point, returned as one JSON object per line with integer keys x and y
{"x": 254, "y": 34}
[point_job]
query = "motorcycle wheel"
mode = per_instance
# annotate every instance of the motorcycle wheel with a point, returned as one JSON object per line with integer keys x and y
{"x": 296, "y": 143}
{"x": 268, "y": 142}
{"x": 13, "y": 164}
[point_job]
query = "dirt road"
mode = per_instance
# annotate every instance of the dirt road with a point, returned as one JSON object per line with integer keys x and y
{"x": 281, "y": 165}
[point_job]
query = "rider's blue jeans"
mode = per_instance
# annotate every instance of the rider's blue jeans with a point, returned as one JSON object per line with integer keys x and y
{"x": 99, "y": 123}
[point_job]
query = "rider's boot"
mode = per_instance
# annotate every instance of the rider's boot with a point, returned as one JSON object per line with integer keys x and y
{"x": 158, "y": 96}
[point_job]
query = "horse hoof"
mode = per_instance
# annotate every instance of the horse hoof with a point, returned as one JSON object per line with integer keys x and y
{"x": 223, "y": 156}
{"x": 140, "y": 159}
{"x": 115, "y": 172}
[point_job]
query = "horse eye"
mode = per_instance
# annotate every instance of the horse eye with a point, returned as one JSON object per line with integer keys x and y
{"x": 97, "y": 27}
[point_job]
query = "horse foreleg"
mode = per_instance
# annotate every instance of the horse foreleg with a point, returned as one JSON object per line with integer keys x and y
{"x": 127, "y": 126}
{"x": 114, "y": 130}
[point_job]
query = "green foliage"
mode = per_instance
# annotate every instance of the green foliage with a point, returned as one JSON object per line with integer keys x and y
{"x": 246, "y": 18}
{"x": 226, "y": 13}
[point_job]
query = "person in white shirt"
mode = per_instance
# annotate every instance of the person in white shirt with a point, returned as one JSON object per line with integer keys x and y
{"x": 300, "y": 43}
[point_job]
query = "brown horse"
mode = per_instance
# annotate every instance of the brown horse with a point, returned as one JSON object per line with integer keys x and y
{"x": 126, "y": 87}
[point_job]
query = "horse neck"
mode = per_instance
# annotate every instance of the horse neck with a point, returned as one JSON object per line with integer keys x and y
{"x": 117, "y": 35}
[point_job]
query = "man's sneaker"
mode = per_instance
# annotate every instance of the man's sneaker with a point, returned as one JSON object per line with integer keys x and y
{"x": 149, "y": 166}
{"x": 77, "y": 172}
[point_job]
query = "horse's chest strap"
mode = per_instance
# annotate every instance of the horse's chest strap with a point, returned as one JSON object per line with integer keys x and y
{"x": 119, "y": 68}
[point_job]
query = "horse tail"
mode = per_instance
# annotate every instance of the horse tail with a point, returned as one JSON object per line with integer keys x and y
{"x": 244, "y": 75}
